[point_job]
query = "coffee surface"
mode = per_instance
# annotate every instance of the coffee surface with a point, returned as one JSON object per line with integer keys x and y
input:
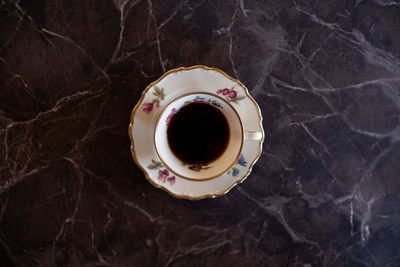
{"x": 198, "y": 133}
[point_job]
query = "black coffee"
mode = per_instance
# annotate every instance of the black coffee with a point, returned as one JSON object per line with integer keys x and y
{"x": 198, "y": 133}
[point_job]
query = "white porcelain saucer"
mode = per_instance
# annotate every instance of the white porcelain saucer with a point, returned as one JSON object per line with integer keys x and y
{"x": 171, "y": 85}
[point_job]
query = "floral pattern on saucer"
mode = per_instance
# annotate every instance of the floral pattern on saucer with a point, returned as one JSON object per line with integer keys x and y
{"x": 241, "y": 162}
{"x": 159, "y": 96}
{"x": 163, "y": 173}
{"x": 231, "y": 95}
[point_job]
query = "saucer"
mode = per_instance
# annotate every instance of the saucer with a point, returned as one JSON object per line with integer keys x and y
{"x": 158, "y": 95}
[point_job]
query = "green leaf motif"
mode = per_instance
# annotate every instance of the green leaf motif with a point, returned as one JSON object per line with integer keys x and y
{"x": 237, "y": 99}
{"x": 155, "y": 165}
{"x": 159, "y": 92}
{"x": 157, "y": 89}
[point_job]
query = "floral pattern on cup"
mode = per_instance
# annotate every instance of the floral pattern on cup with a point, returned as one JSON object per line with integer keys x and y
{"x": 173, "y": 111}
{"x": 230, "y": 95}
{"x": 163, "y": 173}
{"x": 198, "y": 168}
{"x": 159, "y": 96}
{"x": 199, "y": 99}
{"x": 241, "y": 162}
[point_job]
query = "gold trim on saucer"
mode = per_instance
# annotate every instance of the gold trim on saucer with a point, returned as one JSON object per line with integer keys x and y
{"x": 145, "y": 171}
{"x": 214, "y": 176}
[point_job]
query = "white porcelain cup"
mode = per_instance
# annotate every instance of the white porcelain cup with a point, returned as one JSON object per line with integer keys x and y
{"x": 214, "y": 168}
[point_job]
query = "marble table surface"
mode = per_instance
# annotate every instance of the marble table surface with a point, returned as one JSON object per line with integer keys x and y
{"x": 325, "y": 191}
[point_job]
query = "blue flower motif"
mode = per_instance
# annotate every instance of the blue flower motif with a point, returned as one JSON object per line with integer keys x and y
{"x": 199, "y": 99}
{"x": 216, "y": 104}
{"x": 235, "y": 171}
{"x": 241, "y": 161}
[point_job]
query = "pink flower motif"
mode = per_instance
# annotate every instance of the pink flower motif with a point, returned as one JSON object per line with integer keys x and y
{"x": 170, "y": 115}
{"x": 225, "y": 91}
{"x": 172, "y": 180}
{"x": 232, "y": 94}
{"x": 163, "y": 175}
{"x": 196, "y": 168}
{"x": 219, "y": 91}
{"x": 148, "y": 107}
{"x": 158, "y": 106}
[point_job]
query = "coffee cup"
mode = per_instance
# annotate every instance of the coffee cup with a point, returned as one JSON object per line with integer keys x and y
{"x": 218, "y": 136}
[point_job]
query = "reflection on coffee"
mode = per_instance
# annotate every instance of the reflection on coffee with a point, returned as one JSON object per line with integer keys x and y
{"x": 198, "y": 133}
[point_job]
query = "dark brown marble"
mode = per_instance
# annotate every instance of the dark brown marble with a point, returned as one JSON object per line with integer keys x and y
{"x": 325, "y": 192}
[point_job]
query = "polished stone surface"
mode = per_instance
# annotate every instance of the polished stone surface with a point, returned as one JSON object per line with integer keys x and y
{"x": 325, "y": 192}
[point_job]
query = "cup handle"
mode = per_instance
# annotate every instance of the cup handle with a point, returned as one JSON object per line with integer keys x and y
{"x": 253, "y": 136}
